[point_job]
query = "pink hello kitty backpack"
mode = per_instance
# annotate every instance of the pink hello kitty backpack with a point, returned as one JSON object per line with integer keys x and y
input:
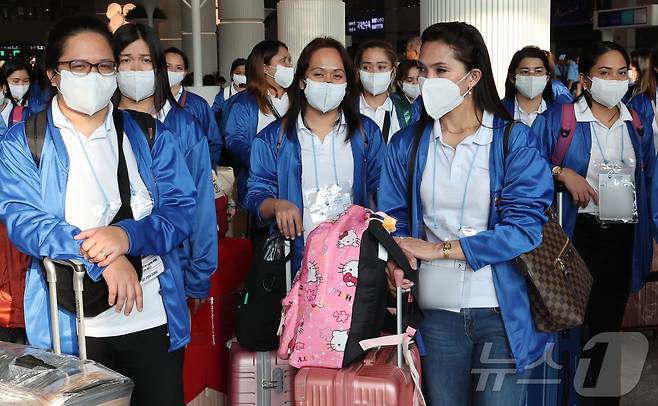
{"x": 339, "y": 296}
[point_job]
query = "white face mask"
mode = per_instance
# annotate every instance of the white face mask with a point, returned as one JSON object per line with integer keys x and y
{"x": 87, "y": 94}
{"x": 175, "y": 78}
{"x": 137, "y": 84}
{"x": 324, "y": 96}
{"x": 608, "y": 92}
{"x": 531, "y": 86}
{"x": 283, "y": 76}
{"x": 375, "y": 83}
{"x": 410, "y": 90}
{"x": 240, "y": 79}
{"x": 18, "y": 91}
{"x": 441, "y": 95}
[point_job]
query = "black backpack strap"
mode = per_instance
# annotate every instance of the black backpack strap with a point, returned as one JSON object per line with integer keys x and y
{"x": 35, "y": 133}
{"x": 387, "y": 126}
{"x": 145, "y": 121}
{"x": 411, "y": 169}
{"x": 506, "y": 137}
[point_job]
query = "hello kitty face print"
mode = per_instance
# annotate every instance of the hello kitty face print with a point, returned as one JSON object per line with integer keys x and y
{"x": 350, "y": 271}
{"x": 338, "y": 340}
{"x": 313, "y": 274}
{"x": 348, "y": 239}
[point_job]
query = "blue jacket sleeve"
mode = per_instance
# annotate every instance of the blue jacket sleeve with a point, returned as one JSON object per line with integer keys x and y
{"x": 263, "y": 181}
{"x": 208, "y": 123}
{"x": 392, "y": 197}
{"x": 526, "y": 195}
{"x": 376, "y": 154}
{"x": 219, "y": 101}
{"x": 169, "y": 223}
{"x": 240, "y": 129}
{"x": 544, "y": 134}
{"x": 30, "y": 227}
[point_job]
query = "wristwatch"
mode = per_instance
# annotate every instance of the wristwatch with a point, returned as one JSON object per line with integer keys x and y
{"x": 447, "y": 248}
{"x": 557, "y": 170}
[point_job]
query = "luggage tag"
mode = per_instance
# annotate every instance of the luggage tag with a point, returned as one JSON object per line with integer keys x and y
{"x": 617, "y": 197}
{"x": 327, "y": 202}
{"x": 152, "y": 267}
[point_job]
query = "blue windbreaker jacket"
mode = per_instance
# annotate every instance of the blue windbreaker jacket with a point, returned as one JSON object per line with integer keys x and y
{"x": 198, "y": 253}
{"x": 198, "y": 107}
{"x": 32, "y": 205}
{"x": 547, "y": 128}
{"x": 521, "y": 191}
{"x": 277, "y": 174}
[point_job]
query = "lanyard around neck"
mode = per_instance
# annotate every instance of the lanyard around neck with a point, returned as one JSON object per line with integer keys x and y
{"x": 598, "y": 144}
{"x": 437, "y": 141}
{"x": 333, "y": 151}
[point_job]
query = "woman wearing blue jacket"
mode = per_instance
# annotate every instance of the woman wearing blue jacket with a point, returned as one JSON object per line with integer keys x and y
{"x": 84, "y": 173}
{"x": 322, "y": 146}
{"x": 238, "y": 84}
{"x": 474, "y": 208}
{"x": 194, "y": 104}
{"x": 528, "y": 91}
{"x": 644, "y": 97}
{"x": 269, "y": 74}
{"x": 615, "y": 243}
{"x": 144, "y": 86}
{"x": 15, "y": 88}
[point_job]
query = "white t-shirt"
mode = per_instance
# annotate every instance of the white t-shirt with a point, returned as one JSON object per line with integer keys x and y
{"x": 446, "y": 189}
{"x": 378, "y": 115}
{"x": 325, "y": 169}
{"x": 85, "y": 203}
{"x": 281, "y": 105}
{"x": 611, "y": 141}
{"x": 528, "y": 118}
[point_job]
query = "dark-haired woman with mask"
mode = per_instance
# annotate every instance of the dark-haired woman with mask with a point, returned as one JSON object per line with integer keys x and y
{"x": 321, "y": 145}
{"x": 644, "y": 94}
{"x": 528, "y": 91}
{"x": 407, "y": 89}
{"x": 474, "y": 208}
{"x": 144, "y": 86}
{"x": 91, "y": 175}
{"x": 197, "y": 106}
{"x": 606, "y": 170}
{"x": 375, "y": 62}
{"x": 269, "y": 75}
{"x": 15, "y": 92}
{"x": 237, "y": 84}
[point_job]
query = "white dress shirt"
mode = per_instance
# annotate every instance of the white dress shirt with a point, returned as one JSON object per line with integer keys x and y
{"x": 446, "y": 189}
{"x": 281, "y": 105}
{"x": 6, "y": 112}
{"x": 611, "y": 140}
{"x": 379, "y": 114}
{"x": 344, "y": 164}
{"x": 85, "y": 202}
{"x": 528, "y": 118}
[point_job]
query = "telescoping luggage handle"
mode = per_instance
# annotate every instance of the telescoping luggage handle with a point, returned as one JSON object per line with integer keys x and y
{"x": 79, "y": 271}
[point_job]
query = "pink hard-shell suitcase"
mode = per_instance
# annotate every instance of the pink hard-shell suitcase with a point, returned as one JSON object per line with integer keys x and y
{"x": 381, "y": 379}
{"x": 261, "y": 378}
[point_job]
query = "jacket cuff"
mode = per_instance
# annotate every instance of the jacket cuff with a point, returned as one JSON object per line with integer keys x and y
{"x": 128, "y": 227}
{"x": 467, "y": 249}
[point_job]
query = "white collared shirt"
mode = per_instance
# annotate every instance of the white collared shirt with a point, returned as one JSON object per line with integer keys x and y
{"x": 85, "y": 202}
{"x": 281, "y": 105}
{"x": 6, "y": 112}
{"x": 528, "y": 118}
{"x": 452, "y": 167}
{"x": 323, "y": 154}
{"x": 611, "y": 140}
{"x": 378, "y": 115}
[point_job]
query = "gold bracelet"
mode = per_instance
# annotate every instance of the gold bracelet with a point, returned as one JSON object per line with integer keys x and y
{"x": 447, "y": 248}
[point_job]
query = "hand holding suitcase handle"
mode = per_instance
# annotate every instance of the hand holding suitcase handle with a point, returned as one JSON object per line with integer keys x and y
{"x": 78, "y": 275}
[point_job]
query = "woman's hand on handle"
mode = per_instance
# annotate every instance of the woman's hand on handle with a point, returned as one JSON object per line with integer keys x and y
{"x": 581, "y": 191}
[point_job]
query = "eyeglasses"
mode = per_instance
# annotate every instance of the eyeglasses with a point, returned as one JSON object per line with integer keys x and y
{"x": 82, "y": 68}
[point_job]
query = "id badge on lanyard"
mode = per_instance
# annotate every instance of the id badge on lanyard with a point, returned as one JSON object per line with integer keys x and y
{"x": 441, "y": 285}
{"x": 327, "y": 202}
{"x": 617, "y": 196}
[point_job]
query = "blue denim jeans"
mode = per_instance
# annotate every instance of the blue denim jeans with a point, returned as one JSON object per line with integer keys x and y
{"x": 469, "y": 360}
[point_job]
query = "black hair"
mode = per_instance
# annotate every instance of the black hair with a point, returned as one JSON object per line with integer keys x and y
{"x": 590, "y": 56}
{"x": 470, "y": 49}
{"x": 129, "y": 33}
{"x": 209, "y": 80}
{"x": 174, "y": 50}
{"x": 297, "y": 98}
{"x": 260, "y": 55}
{"x": 11, "y": 66}
{"x": 238, "y": 62}
{"x": 529, "y": 52}
{"x": 403, "y": 71}
{"x": 61, "y": 32}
